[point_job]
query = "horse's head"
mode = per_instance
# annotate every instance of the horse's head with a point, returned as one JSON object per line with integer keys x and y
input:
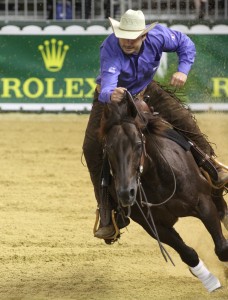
{"x": 123, "y": 144}
{"x": 121, "y": 129}
{"x": 124, "y": 148}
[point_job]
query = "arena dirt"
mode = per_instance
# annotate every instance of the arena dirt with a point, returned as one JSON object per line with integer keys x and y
{"x": 47, "y": 213}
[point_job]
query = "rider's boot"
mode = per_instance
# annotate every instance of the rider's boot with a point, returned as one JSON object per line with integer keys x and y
{"x": 105, "y": 232}
{"x": 216, "y": 170}
{"x": 108, "y": 231}
{"x": 106, "y": 228}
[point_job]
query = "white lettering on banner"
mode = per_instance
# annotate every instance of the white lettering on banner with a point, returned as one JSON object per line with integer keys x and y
{"x": 48, "y": 88}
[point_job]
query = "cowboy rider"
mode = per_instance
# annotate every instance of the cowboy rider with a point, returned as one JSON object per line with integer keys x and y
{"x": 129, "y": 59}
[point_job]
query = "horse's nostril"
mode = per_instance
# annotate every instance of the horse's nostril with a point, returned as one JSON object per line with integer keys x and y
{"x": 132, "y": 193}
{"x": 127, "y": 196}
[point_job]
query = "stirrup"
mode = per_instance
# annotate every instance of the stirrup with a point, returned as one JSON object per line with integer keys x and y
{"x": 212, "y": 184}
{"x": 116, "y": 235}
{"x": 218, "y": 163}
{"x": 223, "y": 167}
{"x": 208, "y": 178}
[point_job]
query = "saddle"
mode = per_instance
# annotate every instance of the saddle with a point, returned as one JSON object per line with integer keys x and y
{"x": 202, "y": 159}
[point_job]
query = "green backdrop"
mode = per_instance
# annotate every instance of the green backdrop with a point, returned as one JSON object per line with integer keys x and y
{"x": 68, "y": 76}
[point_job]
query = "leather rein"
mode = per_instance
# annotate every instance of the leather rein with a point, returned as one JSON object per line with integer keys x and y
{"x": 142, "y": 195}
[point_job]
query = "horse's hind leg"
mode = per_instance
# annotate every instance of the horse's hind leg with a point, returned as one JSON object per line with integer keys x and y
{"x": 220, "y": 203}
{"x": 208, "y": 214}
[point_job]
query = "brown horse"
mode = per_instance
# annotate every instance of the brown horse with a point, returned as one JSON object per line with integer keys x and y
{"x": 160, "y": 181}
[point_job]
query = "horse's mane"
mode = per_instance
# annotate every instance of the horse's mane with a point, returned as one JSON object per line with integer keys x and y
{"x": 114, "y": 114}
{"x": 119, "y": 113}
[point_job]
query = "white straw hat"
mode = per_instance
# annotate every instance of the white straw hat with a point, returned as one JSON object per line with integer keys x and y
{"x": 132, "y": 25}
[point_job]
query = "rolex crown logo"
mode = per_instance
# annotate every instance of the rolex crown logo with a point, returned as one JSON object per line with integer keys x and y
{"x": 53, "y": 53}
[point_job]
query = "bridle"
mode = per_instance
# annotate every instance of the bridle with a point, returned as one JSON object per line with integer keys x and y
{"x": 143, "y": 154}
{"x": 142, "y": 194}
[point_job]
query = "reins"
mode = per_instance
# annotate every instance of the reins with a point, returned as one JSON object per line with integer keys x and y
{"x": 153, "y": 230}
{"x": 142, "y": 193}
{"x": 148, "y": 204}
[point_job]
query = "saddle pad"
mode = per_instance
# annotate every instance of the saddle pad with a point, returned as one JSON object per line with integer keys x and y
{"x": 173, "y": 135}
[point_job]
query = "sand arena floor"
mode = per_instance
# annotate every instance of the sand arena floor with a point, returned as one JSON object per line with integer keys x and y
{"x": 47, "y": 213}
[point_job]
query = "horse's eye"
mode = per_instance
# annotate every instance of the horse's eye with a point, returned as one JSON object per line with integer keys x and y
{"x": 138, "y": 146}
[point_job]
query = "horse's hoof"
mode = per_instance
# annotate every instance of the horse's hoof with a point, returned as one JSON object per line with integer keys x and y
{"x": 210, "y": 282}
{"x": 225, "y": 221}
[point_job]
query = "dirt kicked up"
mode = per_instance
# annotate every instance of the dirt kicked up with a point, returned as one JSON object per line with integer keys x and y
{"x": 47, "y": 213}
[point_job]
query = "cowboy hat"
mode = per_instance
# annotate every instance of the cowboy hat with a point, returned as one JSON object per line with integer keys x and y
{"x": 131, "y": 26}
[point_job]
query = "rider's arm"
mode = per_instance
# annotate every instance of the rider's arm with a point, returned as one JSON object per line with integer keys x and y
{"x": 169, "y": 40}
{"x": 109, "y": 69}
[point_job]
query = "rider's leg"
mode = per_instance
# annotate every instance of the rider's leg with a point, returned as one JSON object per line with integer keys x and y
{"x": 93, "y": 152}
{"x": 173, "y": 111}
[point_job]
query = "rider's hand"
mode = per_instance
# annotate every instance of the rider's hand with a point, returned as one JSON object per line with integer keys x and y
{"x": 118, "y": 94}
{"x": 178, "y": 79}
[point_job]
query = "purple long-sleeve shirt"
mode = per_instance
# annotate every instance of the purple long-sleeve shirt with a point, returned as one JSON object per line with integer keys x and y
{"x": 135, "y": 72}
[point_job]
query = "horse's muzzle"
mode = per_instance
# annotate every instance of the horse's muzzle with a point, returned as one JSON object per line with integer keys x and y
{"x": 127, "y": 196}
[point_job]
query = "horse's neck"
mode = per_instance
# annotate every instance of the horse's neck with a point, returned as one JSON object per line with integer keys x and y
{"x": 155, "y": 145}
{"x": 155, "y": 159}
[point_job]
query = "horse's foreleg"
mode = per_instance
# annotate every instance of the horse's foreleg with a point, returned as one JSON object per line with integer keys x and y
{"x": 210, "y": 282}
{"x": 188, "y": 255}
{"x": 169, "y": 236}
{"x": 208, "y": 214}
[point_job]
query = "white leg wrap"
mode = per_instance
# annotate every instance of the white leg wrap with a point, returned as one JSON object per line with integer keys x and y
{"x": 210, "y": 282}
